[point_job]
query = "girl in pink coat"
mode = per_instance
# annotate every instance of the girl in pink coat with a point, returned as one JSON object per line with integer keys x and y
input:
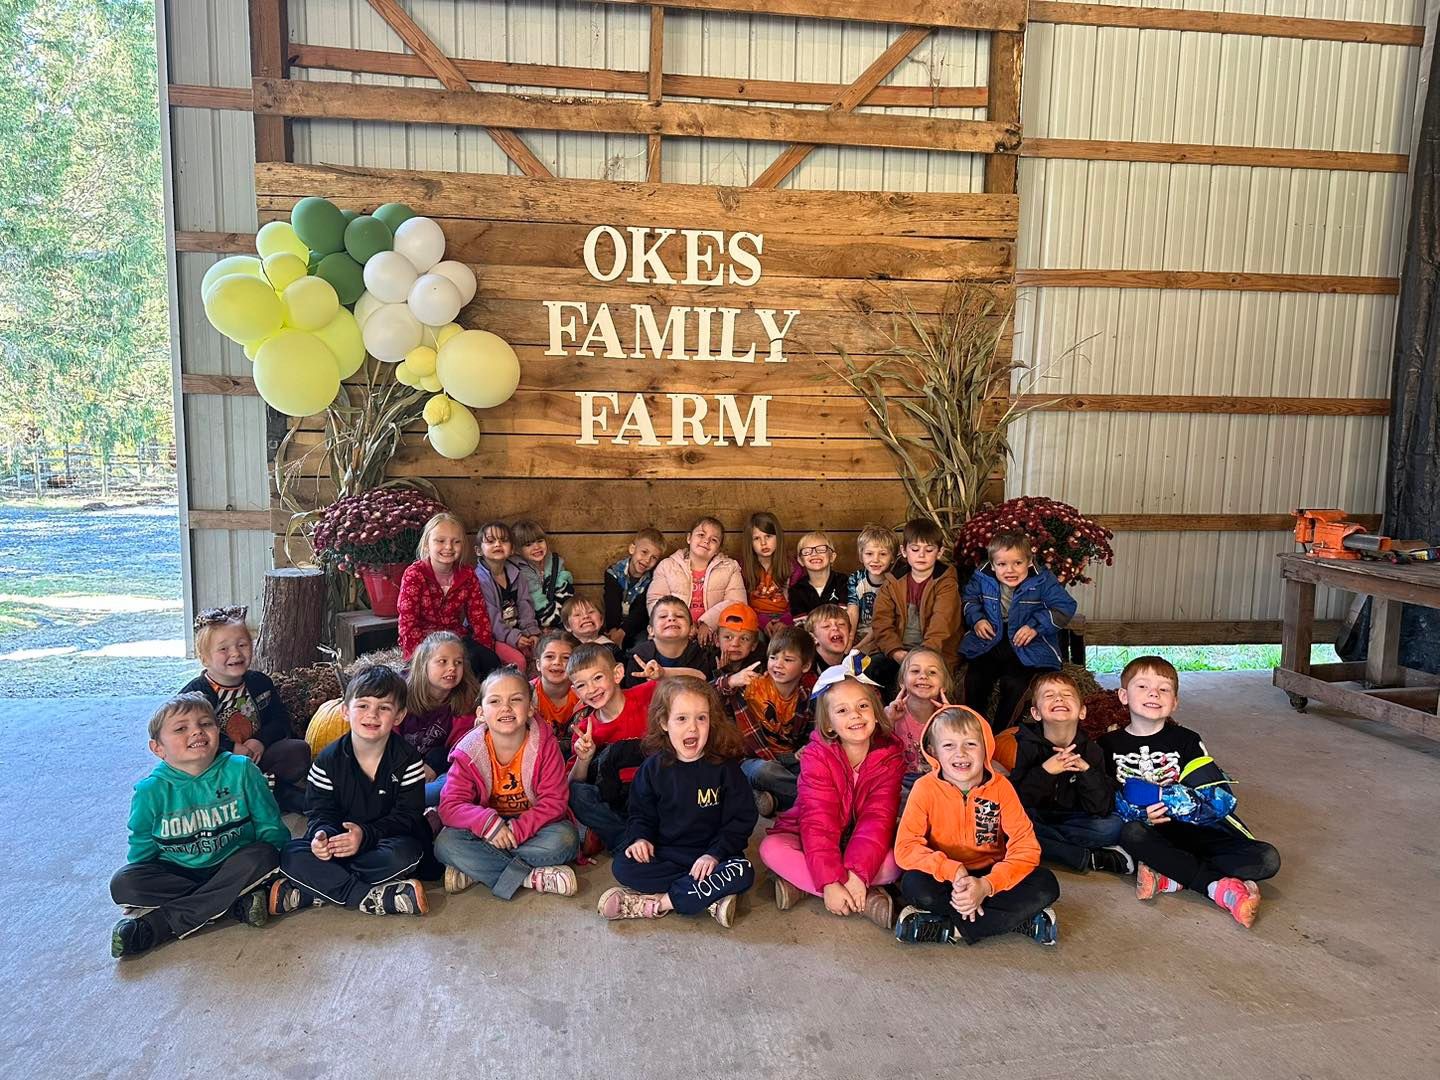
{"x": 838, "y": 841}
{"x": 506, "y": 800}
{"x": 705, "y": 579}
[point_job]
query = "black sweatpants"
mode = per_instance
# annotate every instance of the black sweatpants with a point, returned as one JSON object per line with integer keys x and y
{"x": 999, "y": 665}
{"x": 346, "y": 881}
{"x": 189, "y": 897}
{"x": 1003, "y": 912}
{"x": 672, "y": 875}
{"x": 482, "y": 660}
{"x": 1196, "y": 855}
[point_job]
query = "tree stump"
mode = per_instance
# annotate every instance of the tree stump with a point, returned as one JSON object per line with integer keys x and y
{"x": 291, "y": 617}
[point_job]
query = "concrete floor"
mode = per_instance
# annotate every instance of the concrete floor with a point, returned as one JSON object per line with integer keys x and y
{"x": 1338, "y": 977}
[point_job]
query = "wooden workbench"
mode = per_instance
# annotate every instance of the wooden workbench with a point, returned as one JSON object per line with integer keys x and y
{"x": 1386, "y": 691}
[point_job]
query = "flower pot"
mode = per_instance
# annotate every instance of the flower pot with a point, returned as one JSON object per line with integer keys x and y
{"x": 382, "y": 586}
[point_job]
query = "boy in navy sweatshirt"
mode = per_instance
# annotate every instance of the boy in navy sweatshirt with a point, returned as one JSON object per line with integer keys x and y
{"x": 691, "y": 813}
{"x": 204, "y": 834}
{"x": 366, "y": 797}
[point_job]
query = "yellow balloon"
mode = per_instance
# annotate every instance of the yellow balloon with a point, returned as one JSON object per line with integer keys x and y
{"x": 342, "y": 335}
{"x": 243, "y": 308}
{"x": 446, "y": 332}
{"x": 252, "y": 347}
{"x": 282, "y": 268}
{"x": 478, "y": 368}
{"x": 278, "y": 237}
{"x": 228, "y": 267}
{"x": 421, "y": 360}
{"x": 296, "y": 373}
{"x": 438, "y": 409}
{"x": 310, "y": 303}
{"x": 431, "y": 383}
{"x": 403, "y": 374}
{"x": 458, "y": 436}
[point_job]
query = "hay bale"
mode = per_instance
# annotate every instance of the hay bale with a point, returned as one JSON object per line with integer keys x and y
{"x": 305, "y": 689}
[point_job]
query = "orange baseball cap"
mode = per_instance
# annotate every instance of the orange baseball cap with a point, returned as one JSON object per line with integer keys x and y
{"x": 740, "y": 617}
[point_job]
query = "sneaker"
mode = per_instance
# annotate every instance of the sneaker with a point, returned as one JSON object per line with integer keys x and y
{"x": 592, "y": 845}
{"x": 765, "y": 803}
{"x": 455, "y": 881}
{"x": 724, "y": 910}
{"x": 286, "y": 896}
{"x": 1240, "y": 898}
{"x": 621, "y": 903}
{"x": 880, "y": 908}
{"x": 1042, "y": 927}
{"x": 786, "y": 895}
{"x": 1149, "y": 884}
{"x": 559, "y": 880}
{"x": 395, "y": 898}
{"x": 1113, "y": 860}
{"x": 915, "y": 926}
{"x": 133, "y": 936}
{"x": 252, "y": 909}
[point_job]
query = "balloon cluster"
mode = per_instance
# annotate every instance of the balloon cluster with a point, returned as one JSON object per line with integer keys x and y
{"x": 331, "y": 285}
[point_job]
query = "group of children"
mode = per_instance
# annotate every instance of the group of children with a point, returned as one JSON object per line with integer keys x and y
{"x": 534, "y": 728}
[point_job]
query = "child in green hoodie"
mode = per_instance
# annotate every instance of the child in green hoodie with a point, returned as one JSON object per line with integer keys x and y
{"x": 205, "y": 833}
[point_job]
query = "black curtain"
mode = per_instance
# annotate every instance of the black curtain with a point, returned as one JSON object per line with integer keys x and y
{"x": 1412, "y": 481}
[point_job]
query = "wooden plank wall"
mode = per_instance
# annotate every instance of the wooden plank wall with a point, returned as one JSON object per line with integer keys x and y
{"x": 524, "y": 239}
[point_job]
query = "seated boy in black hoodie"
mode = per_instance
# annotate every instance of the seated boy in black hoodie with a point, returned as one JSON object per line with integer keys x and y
{"x": 366, "y": 800}
{"x": 1061, "y": 779}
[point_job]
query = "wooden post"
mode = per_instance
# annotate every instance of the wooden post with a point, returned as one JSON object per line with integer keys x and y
{"x": 652, "y": 86}
{"x": 269, "y": 43}
{"x": 292, "y": 616}
{"x": 1007, "y": 51}
{"x": 1298, "y": 629}
{"x": 1382, "y": 658}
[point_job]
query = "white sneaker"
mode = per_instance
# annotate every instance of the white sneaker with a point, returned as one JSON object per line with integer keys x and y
{"x": 559, "y": 880}
{"x": 455, "y": 881}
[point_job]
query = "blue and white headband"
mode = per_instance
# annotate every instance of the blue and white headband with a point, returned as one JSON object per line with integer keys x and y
{"x": 851, "y": 667}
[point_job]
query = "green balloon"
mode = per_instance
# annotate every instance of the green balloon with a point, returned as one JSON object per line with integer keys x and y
{"x": 319, "y": 224}
{"x": 349, "y": 215}
{"x": 367, "y": 236}
{"x": 314, "y": 263}
{"x": 345, "y": 276}
{"x": 394, "y": 214}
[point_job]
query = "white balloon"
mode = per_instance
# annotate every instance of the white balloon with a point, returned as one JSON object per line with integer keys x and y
{"x": 390, "y": 276}
{"x": 391, "y": 332}
{"x": 421, "y": 241}
{"x": 366, "y": 306}
{"x": 460, "y": 275}
{"x": 434, "y": 300}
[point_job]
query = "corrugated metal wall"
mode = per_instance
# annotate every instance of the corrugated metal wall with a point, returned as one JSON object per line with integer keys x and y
{"x": 1161, "y": 86}
{"x": 1079, "y": 83}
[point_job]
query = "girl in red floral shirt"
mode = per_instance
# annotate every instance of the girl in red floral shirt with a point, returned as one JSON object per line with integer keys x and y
{"x": 439, "y": 592}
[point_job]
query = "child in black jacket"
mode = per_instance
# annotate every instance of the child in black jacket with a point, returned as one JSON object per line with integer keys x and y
{"x": 366, "y": 798}
{"x": 1062, "y": 782}
{"x": 691, "y": 813}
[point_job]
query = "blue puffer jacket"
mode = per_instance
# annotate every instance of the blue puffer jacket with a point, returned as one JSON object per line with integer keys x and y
{"x": 1032, "y": 605}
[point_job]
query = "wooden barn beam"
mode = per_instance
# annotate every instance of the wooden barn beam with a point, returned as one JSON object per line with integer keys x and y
{"x": 1223, "y": 281}
{"x": 454, "y": 80}
{"x": 1226, "y": 22}
{"x": 1269, "y": 157}
{"x": 1007, "y": 52}
{"x": 269, "y": 48}
{"x": 855, "y": 94}
{"x": 350, "y": 102}
{"x": 654, "y": 88}
{"x": 956, "y": 14}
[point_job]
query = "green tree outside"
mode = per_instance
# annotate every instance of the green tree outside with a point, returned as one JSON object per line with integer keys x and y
{"x": 84, "y": 318}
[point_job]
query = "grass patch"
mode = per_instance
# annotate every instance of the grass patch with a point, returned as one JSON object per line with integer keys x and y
{"x": 1111, "y": 659}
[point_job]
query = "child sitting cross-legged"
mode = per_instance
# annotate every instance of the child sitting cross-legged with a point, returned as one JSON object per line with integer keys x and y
{"x": 439, "y": 705}
{"x": 691, "y": 813}
{"x": 544, "y": 570}
{"x": 605, "y": 736}
{"x": 439, "y": 591}
{"x": 1060, "y": 776}
{"x": 836, "y": 841}
{"x": 502, "y": 576}
{"x": 626, "y": 583}
{"x": 554, "y": 698}
{"x": 1180, "y": 824}
{"x": 925, "y": 685}
{"x": 1010, "y": 606}
{"x": 670, "y": 650}
{"x": 820, "y": 584}
{"x": 773, "y": 715}
{"x": 205, "y": 834}
{"x": 366, "y": 797}
{"x": 253, "y": 720}
{"x": 739, "y": 655}
{"x": 506, "y": 800}
{"x": 971, "y": 861}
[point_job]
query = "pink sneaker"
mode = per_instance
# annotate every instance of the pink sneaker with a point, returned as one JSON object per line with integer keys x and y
{"x": 1240, "y": 898}
{"x": 559, "y": 880}
{"x": 621, "y": 903}
{"x": 1149, "y": 884}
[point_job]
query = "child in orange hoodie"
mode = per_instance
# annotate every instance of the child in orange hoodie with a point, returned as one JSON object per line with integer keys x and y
{"x": 971, "y": 860}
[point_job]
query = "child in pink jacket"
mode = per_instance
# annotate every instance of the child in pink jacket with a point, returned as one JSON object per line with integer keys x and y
{"x": 506, "y": 801}
{"x": 837, "y": 841}
{"x": 705, "y": 579}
